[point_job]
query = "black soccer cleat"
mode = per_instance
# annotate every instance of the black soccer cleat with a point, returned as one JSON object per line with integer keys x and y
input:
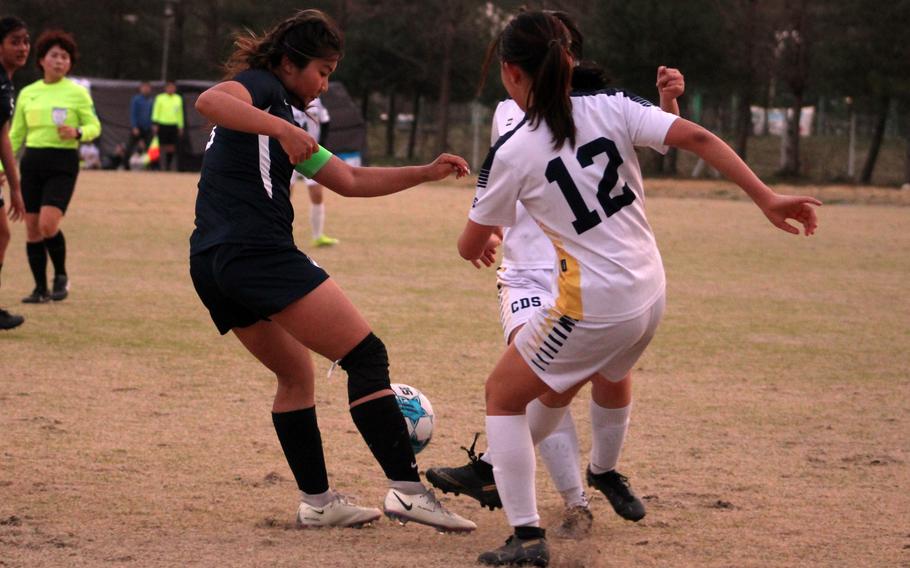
{"x": 37, "y": 296}
{"x": 475, "y": 479}
{"x": 615, "y": 486}
{"x": 519, "y": 552}
{"x": 61, "y": 288}
{"x": 10, "y": 321}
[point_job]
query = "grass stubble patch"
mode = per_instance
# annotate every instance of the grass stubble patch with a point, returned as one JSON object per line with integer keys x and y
{"x": 770, "y": 422}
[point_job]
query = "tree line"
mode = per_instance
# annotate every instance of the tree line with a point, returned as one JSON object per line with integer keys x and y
{"x": 841, "y": 56}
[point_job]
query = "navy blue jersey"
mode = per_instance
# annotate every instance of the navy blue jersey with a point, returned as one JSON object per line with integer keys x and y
{"x": 7, "y": 97}
{"x": 244, "y": 195}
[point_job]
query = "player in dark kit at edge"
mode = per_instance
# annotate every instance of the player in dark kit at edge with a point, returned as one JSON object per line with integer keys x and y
{"x": 279, "y": 303}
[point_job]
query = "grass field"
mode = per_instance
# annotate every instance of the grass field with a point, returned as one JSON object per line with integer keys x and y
{"x": 771, "y": 415}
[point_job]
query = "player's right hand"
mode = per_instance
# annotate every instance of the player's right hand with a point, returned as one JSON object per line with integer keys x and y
{"x": 16, "y": 206}
{"x": 670, "y": 83}
{"x": 488, "y": 256}
{"x": 297, "y": 144}
{"x": 800, "y": 208}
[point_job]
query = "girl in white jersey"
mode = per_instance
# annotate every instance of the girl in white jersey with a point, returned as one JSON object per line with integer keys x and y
{"x": 315, "y": 120}
{"x": 525, "y": 282}
{"x": 571, "y": 163}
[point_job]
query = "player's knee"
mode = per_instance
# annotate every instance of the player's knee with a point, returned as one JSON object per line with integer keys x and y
{"x": 47, "y": 229}
{"x": 367, "y": 366}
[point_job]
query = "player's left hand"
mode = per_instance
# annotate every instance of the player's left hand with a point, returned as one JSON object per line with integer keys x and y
{"x": 488, "y": 256}
{"x": 447, "y": 164}
{"x": 670, "y": 82}
{"x": 800, "y": 208}
{"x": 16, "y": 206}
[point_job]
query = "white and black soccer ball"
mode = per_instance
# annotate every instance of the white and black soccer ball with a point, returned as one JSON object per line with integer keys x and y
{"x": 418, "y": 414}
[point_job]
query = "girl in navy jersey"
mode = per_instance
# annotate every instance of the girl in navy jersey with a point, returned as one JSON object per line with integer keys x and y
{"x": 571, "y": 163}
{"x": 279, "y": 303}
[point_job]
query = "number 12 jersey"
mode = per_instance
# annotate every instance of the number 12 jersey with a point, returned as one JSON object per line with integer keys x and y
{"x": 587, "y": 199}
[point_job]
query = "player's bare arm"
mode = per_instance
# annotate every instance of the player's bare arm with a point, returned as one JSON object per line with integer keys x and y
{"x": 229, "y": 104}
{"x": 473, "y": 240}
{"x": 351, "y": 181}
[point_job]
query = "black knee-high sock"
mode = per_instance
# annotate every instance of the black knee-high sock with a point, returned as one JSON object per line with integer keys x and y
{"x": 382, "y": 426}
{"x": 302, "y": 444}
{"x": 37, "y": 261}
{"x": 56, "y": 249}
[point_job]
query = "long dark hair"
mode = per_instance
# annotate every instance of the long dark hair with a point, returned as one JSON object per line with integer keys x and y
{"x": 587, "y": 75}
{"x": 540, "y": 44}
{"x": 307, "y": 35}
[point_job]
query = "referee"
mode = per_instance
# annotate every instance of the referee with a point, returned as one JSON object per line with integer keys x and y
{"x": 167, "y": 119}
{"x": 52, "y": 116}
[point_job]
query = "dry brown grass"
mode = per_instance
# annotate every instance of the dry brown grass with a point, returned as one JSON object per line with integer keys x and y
{"x": 770, "y": 423}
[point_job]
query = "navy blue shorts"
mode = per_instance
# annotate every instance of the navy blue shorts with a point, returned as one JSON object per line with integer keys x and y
{"x": 243, "y": 284}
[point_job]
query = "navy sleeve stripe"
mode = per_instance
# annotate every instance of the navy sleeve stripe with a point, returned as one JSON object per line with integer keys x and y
{"x": 484, "y": 175}
{"x": 615, "y": 92}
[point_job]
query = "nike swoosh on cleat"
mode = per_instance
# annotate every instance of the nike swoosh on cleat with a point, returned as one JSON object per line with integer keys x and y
{"x": 403, "y": 504}
{"x": 318, "y": 511}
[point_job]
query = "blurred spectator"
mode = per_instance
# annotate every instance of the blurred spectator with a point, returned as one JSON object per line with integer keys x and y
{"x": 140, "y": 121}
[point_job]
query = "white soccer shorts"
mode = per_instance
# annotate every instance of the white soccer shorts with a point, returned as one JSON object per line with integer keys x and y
{"x": 521, "y": 293}
{"x": 564, "y": 352}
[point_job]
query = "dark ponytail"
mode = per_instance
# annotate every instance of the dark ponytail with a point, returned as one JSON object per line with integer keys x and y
{"x": 307, "y": 35}
{"x": 540, "y": 44}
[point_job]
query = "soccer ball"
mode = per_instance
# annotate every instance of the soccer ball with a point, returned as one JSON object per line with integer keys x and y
{"x": 418, "y": 414}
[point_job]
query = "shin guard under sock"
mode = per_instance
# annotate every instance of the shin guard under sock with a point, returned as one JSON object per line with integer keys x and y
{"x": 299, "y": 435}
{"x": 37, "y": 261}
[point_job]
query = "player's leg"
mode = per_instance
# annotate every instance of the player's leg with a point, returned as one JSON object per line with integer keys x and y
{"x": 560, "y": 454}
{"x": 610, "y": 407}
{"x": 36, "y": 252}
{"x": 7, "y": 320}
{"x": 509, "y": 389}
{"x": 327, "y": 322}
{"x": 49, "y": 220}
{"x": 317, "y": 215}
{"x": 294, "y": 418}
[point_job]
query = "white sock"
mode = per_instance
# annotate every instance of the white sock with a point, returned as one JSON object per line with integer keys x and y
{"x": 543, "y": 420}
{"x": 317, "y": 499}
{"x": 408, "y": 487}
{"x": 512, "y": 451}
{"x": 608, "y": 431}
{"x": 317, "y": 218}
{"x": 559, "y": 452}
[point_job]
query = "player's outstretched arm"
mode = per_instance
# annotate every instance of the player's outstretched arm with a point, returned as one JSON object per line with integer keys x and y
{"x": 351, "y": 181}
{"x": 230, "y": 105}
{"x": 474, "y": 243}
{"x": 777, "y": 208}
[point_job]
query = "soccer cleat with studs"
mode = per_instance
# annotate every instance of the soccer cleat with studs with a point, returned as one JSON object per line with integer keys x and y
{"x": 519, "y": 552}
{"x": 61, "y": 287}
{"x": 425, "y": 509}
{"x": 325, "y": 241}
{"x": 615, "y": 486}
{"x": 339, "y": 512}
{"x": 475, "y": 479}
{"x": 10, "y": 321}
{"x": 37, "y": 297}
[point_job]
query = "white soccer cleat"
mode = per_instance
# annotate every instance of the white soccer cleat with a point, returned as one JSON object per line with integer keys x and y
{"x": 424, "y": 508}
{"x": 339, "y": 512}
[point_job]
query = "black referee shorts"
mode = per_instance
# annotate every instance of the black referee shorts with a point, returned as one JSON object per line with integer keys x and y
{"x": 243, "y": 284}
{"x": 167, "y": 134}
{"x": 48, "y": 177}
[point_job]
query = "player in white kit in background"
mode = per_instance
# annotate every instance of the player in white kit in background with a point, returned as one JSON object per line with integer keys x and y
{"x": 315, "y": 121}
{"x": 525, "y": 281}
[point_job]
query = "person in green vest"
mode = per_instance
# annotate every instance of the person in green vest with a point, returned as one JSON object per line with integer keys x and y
{"x": 167, "y": 121}
{"x": 53, "y": 115}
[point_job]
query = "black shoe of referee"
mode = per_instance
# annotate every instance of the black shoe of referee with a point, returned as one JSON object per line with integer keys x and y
{"x": 61, "y": 288}
{"x": 615, "y": 486}
{"x": 38, "y": 296}
{"x": 474, "y": 479}
{"x": 10, "y": 321}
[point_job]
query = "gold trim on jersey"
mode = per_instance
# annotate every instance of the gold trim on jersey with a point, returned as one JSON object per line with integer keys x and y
{"x": 569, "y": 279}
